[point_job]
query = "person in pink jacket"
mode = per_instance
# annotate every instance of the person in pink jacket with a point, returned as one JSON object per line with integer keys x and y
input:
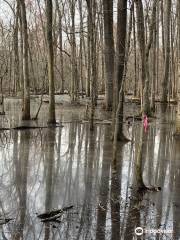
{"x": 145, "y": 122}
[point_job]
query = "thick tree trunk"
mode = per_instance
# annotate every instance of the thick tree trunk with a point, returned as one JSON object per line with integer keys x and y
{"x": 135, "y": 51}
{"x": 178, "y": 75}
{"x": 144, "y": 51}
{"x": 91, "y": 4}
{"x": 109, "y": 52}
{"x": 50, "y": 59}
{"x": 152, "y": 27}
{"x": 120, "y": 63}
{"x": 165, "y": 82}
{"x": 16, "y": 82}
{"x": 26, "y": 84}
{"x": 162, "y": 24}
{"x": 141, "y": 41}
{"x": 61, "y": 46}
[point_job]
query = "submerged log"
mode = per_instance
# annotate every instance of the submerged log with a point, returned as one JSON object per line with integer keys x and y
{"x": 53, "y": 219}
{"x": 5, "y": 221}
{"x": 53, "y": 213}
{"x": 35, "y": 127}
{"x": 149, "y": 188}
{"x": 26, "y": 127}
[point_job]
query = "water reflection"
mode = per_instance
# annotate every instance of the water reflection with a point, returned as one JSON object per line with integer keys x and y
{"x": 104, "y": 189}
{"x": 48, "y": 169}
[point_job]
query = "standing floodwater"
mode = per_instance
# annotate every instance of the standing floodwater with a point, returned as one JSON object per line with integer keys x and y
{"x": 69, "y": 169}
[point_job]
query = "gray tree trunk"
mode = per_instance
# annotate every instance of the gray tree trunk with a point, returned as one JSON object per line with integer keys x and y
{"x": 50, "y": 59}
{"x": 178, "y": 75}
{"x": 120, "y": 62}
{"x": 26, "y": 83}
{"x": 16, "y": 81}
{"x": 74, "y": 73}
{"x": 165, "y": 82}
{"x": 61, "y": 46}
{"x": 109, "y": 52}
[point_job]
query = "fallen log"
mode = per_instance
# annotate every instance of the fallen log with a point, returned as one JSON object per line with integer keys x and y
{"x": 26, "y": 127}
{"x": 53, "y": 213}
{"x": 35, "y": 127}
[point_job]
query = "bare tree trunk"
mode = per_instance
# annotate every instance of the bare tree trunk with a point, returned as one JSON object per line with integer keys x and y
{"x": 178, "y": 75}
{"x": 152, "y": 32}
{"x": 141, "y": 41}
{"x": 135, "y": 52}
{"x": 154, "y": 73}
{"x": 120, "y": 62}
{"x": 26, "y": 86}
{"x": 158, "y": 49}
{"x": 50, "y": 59}
{"x": 74, "y": 76}
{"x": 145, "y": 50}
{"x": 109, "y": 52}
{"x": 91, "y": 4}
{"x": 81, "y": 47}
{"x": 61, "y": 46}
{"x": 88, "y": 80}
{"x": 16, "y": 82}
{"x": 165, "y": 82}
{"x": 122, "y": 50}
{"x": 162, "y": 27}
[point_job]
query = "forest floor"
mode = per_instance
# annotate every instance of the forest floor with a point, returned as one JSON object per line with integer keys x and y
{"x": 69, "y": 169}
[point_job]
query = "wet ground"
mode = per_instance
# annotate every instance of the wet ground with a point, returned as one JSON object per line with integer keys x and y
{"x": 51, "y": 168}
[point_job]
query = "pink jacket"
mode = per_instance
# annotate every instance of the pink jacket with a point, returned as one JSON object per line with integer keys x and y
{"x": 145, "y": 122}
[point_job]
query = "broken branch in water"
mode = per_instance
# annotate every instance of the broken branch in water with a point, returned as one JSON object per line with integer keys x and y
{"x": 53, "y": 219}
{"x": 53, "y": 214}
{"x": 5, "y": 220}
{"x": 149, "y": 188}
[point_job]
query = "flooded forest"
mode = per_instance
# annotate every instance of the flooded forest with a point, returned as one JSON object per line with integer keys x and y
{"x": 89, "y": 119}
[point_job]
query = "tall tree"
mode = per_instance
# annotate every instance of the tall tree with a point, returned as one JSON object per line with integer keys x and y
{"x": 74, "y": 72}
{"x": 81, "y": 43}
{"x": 16, "y": 53}
{"x": 61, "y": 46}
{"x": 50, "y": 59}
{"x": 152, "y": 31}
{"x": 165, "y": 81}
{"x": 144, "y": 57}
{"x": 119, "y": 70}
{"x": 91, "y": 5}
{"x": 178, "y": 74}
{"x": 26, "y": 82}
{"x": 145, "y": 51}
{"x": 109, "y": 52}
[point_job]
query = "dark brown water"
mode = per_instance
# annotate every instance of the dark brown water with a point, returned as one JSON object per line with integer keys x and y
{"x": 46, "y": 169}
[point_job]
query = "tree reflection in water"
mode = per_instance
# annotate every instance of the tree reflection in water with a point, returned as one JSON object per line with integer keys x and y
{"x": 48, "y": 169}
